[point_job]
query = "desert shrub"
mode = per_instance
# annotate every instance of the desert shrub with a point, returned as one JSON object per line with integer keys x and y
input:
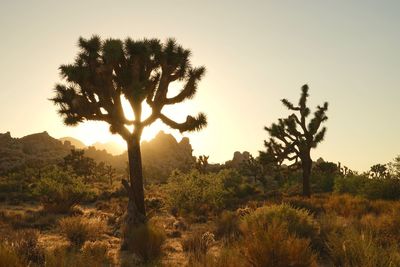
{"x": 25, "y": 243}
{"x": 15, "y": 187}
{"x": 351, "y": 248}
{"x": 384, "y": 228}
{"x": 96, "y": 251}
{"x": 275, "y": 246}
{"x": 383, "y": 206}
{"x": 200, "y": 193}
{"x": 196, "y": 245}
{"x": 299, "y": 222}
{"x": 9, "y": 257}
{"x": 28, "y": 219}
{"x": 59, "y": 191}
{"x": 371, "y": 188}
{"x": 145, "y": 241}
{"x": 350, "y": 184}
{"x": 80, "y": 229}
{"x": 388, "y": 189}
{"x": 227, "y": 226}
{"x": 21, "y": 248}
{"x": 228, "y": 257}
{"x": 93, "y": 254}
{"x": 323, "y": 177}
{"x": 348, "y": 206}
{"x": 314, "y": 205}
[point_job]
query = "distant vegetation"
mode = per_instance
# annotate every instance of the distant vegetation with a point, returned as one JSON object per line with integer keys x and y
{"x": 246, "y": 211}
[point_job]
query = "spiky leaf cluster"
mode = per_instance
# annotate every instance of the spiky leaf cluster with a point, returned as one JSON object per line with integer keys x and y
{"x": 292, "y": 137}
{"x": 105, "y": 71}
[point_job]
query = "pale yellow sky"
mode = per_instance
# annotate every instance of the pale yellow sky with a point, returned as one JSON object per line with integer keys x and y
{"x": 256, "y": 52}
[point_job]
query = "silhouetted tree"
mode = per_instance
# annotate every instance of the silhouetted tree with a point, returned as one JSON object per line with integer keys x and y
{"x": 107, "y": 171}
{"x": 292, "y": 138}
{"x": 346, "y": 171}
{"x": 378, "y": 171}
{"x": 80, "y": 164}
{"x": 110, "y": 172}
{"x": 394, "y": 167}
{"x": 105, "y": 72}
{"x": 252, "y": 167}
{"x": 202, "y": 163}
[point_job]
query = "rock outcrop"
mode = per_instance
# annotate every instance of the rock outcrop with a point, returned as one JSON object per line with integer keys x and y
{"x": 238, "y": 158}
{"x": 160, "y": 156}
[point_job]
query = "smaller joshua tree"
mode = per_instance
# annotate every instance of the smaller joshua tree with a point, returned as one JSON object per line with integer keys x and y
{"x": 378, "y": 171}
{"x": 292, "y": 138}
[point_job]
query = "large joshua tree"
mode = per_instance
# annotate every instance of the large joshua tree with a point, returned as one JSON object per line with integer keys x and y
{"x": 105, "y": 72}
{"x": 292, "y": 138}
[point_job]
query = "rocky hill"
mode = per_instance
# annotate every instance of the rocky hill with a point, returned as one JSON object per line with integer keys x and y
{"x": 111, "y": 147}
{"x": 31, "y": 150}
{"x": 75, "y": 142}
{"x": 161, "y": 155}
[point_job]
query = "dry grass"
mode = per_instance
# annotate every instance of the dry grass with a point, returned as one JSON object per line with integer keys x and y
{"x": 274, "y": 246}
{"x": 197, "y": 244}
{"x": 93, "y": 254}
{"x": 145, "y": 241}
{"x": 352, "y": 249}
{"x": 227, "y": 226}
{"x": 80, "y": 229}
{"x": 348, "y": 206}
{"x": 9, "y": 257}
{"x": 384, "y": 228}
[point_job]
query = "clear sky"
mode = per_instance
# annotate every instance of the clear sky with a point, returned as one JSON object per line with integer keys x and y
{"x": 256, "y": 52}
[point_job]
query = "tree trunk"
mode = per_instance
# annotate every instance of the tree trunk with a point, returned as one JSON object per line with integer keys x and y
{"x": 136, "y": 212}
{"x": 306, "y": 163}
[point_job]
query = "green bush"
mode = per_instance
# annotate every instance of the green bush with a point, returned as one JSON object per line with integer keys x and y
{"x": 387, "y": 188}
{"x": 200, "y": 194}
{"x": 371, "y": 188}
{"x": 350, "y": 184}
{"x": 299, "y": 222}
{"x": 16, "y": 187}
{"x": 323, "y": 176}
{"x": 59, "y": 191}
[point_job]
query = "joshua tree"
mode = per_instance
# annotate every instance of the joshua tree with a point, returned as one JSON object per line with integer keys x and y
{"x": 378, "y": 171}
{"x": 107, "y": 71}
{"x": 80, "y": 164}
{"x": 202, "y": 163}
{"x": 292, "y": 138}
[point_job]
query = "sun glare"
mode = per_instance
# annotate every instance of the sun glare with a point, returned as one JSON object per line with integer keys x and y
{"x": 91, "y": 132}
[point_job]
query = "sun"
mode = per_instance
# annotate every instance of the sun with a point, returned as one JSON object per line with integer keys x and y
{"x": 91, "y": 132}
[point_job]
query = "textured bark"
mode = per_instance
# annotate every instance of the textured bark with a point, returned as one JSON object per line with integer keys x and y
{"x": 136, "y": 212}
{"x": 136, "y": 174}
{"x": 306, "y": 163}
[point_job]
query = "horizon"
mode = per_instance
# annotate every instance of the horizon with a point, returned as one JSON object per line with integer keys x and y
{"x": 259, "y": 54}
